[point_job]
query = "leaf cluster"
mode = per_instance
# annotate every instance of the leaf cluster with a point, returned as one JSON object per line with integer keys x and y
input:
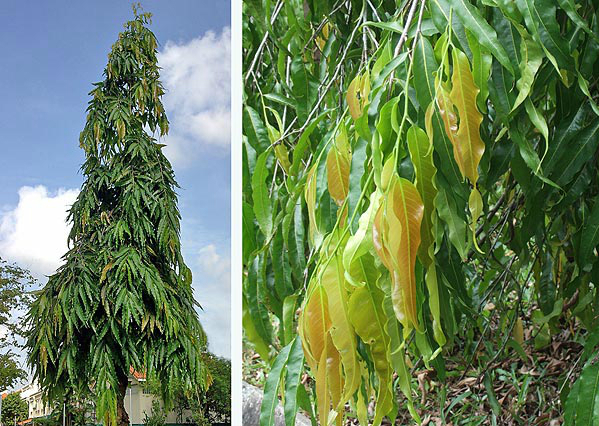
{"x": 419, "y": 182}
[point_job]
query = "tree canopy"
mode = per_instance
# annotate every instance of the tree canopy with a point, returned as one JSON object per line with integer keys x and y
{"x": 14, "y": 408}
{"x": 15, "y": 283}
{"x": 420, "y": 183}
{"x": 204, "y": 406}
{"x": 122, "y": 300}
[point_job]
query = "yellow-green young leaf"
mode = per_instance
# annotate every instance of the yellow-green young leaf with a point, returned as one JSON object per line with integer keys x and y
{"x": 584, "y": 86}
{"x": 310, "y": 196}
{"x": 369, "y": 319}
{"x": 539, "y": 122}
{"x": 397, "y": 355}
{"x": 377, "y": 158}
{"x": 532, "y": 57}
{"x": 261, "y": 196}
{"x": 105, "y": 270}
{"x": 338, "y": 165}
{"x": 96, "y": 132}
{"x": 361, "y": 242}
{"x": 381, "y": 226}
{"x": 321, "y": 40}
{"x": 433, "y": 303}
{"x": 388, "y": 172}
{"x": 322, "y": 376}
{"x": 357, "y": 95}
{"x": 314, "y": 324}
{"x": 450, "y": 119}
{"x": 314, "y": 327}
{"x": 396, "y": 238}
{"x": 361, "y": 408}
{"x": 336, "y": 382}
{"x": 283, "y": 156}
{"x": 468, "y": 147}
{"x": 428, "y": 120}
{"x": 481, "y": 69}
{"x": 342, "y": 331}
{"x": 421, "y": 154}
{"x": 120, "y": 126}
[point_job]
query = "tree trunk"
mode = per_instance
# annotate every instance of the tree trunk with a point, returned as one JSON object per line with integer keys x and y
{"x": 122, "y": 418}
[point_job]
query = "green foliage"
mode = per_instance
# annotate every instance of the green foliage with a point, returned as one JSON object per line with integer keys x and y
{"x": 14, "y": 407}
{"x": 286, "y": 369}
{"x": 157, "y": 417}
{"x": 122, "y": 298}
{"x": 11, "y": 372}
{"x": 207, "y": 406}
{"x": 15, "y": 283}
{"x": 52, "y": 420}
{"x": 582, "y": 406}
{"x": 420, "y": 180}
{"x": 217, "y": 398}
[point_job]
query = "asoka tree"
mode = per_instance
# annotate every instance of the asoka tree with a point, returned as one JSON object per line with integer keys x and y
{"x": 122, "y": 300}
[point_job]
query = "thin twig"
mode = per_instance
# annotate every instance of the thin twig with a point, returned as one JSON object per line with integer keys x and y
{"x": 278, "y": 8}
{"x": 322, "y": 24}
{"x": 404, "y": 33}
{"x": 330, "y": 83}
{"x": 514, "y": 318}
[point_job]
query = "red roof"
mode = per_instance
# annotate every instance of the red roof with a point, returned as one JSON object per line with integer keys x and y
{"x": 137, "y": 374}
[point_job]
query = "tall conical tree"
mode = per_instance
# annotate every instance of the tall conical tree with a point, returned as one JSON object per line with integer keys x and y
{"x": 122, "y": 300}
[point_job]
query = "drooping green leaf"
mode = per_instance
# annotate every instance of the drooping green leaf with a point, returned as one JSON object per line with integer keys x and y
{"x": 582, "y": 405}
{"x": 484, "y": 33}
{"x": 532, "y": 57}
{"x": 368, "y": 318}
{"x": 294, "y": 369}
{"x": 589, "y": 238}
{"x": 261, "y": 196}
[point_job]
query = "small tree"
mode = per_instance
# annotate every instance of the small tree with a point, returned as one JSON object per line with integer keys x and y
{"x": 14, "y": 283}
{"x": 203, "y": 406}
{"x": 217, "y": 399}
{"x": 123, "y": 298}
{"x": 157, "y": 417}
{"x": 14, "y": 407}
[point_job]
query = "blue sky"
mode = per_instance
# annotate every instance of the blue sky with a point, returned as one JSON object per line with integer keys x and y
{"x": 53, "y": 53}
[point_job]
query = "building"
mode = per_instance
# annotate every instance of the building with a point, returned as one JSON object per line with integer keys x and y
{"x": 33, "y": 395}
{"x": 138, "y": 403}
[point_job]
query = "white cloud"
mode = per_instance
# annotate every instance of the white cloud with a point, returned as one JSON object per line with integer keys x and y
{"x": 197, "y": 79}
{"x": 212, "y": 282}
{"x": 34, "y": 233}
